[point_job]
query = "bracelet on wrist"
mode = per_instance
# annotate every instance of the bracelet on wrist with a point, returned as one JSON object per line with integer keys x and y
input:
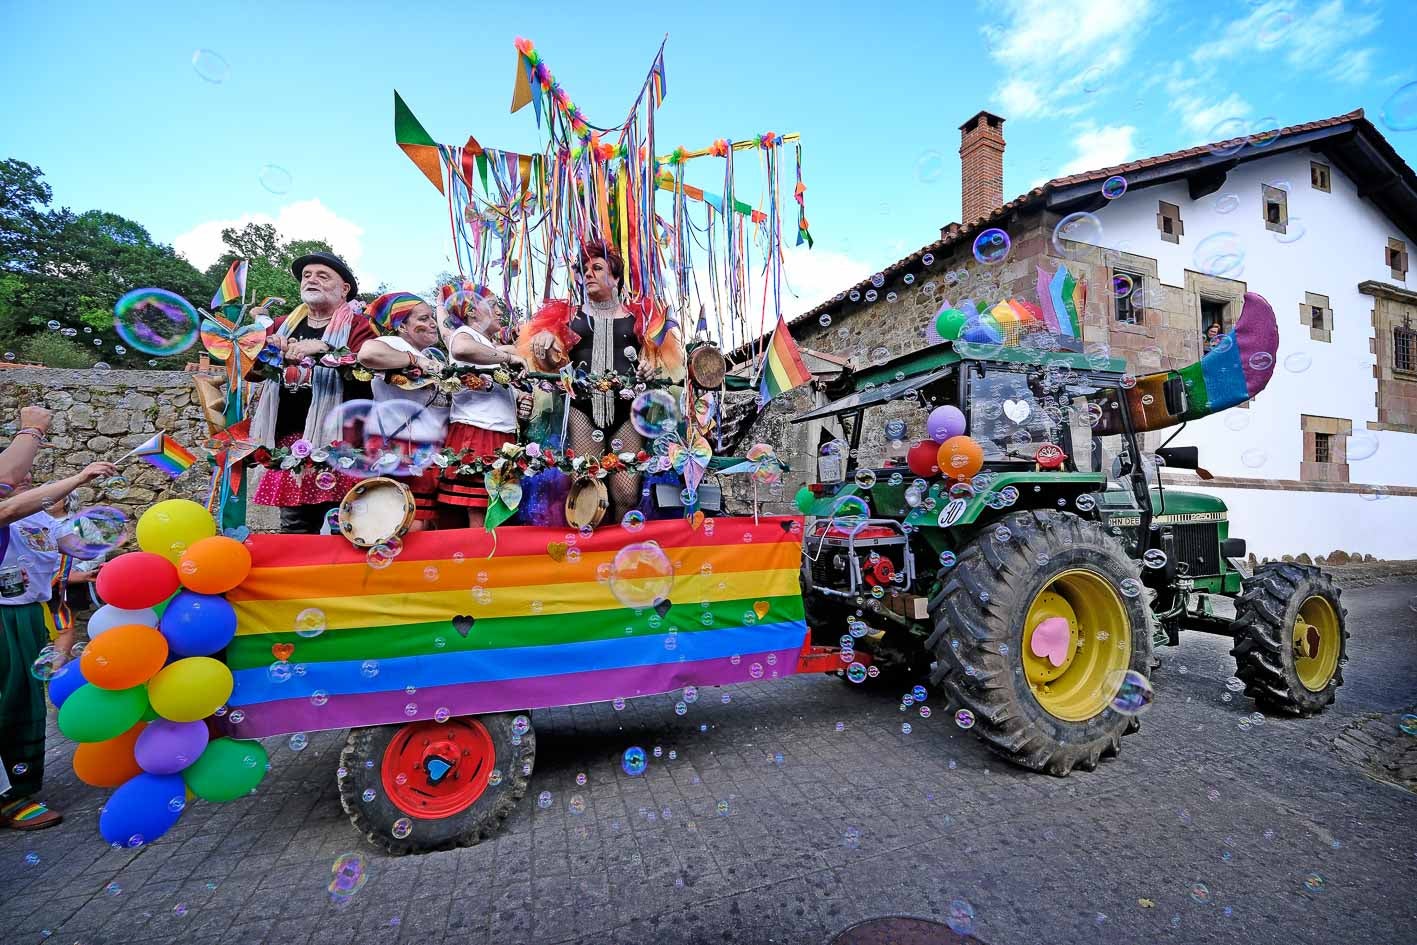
{"x": 35, "y": 432}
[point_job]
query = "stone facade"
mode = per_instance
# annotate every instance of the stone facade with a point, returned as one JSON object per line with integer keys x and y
{"x": 101, "y": 415}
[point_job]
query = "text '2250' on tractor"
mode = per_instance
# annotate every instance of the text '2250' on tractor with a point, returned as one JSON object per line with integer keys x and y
{"x": 1029, "y": 562}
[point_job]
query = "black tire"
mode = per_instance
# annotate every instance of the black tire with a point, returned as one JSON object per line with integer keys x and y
{"x": 1264, "y": 649}
{"x": 375, "y": 818}
{"x": 979, "y": 631}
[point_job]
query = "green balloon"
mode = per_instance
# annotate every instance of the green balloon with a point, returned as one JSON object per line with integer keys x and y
{"x": 226, "y": 770}
{"x": 804, "y": 500}
{"x": 949, "y": 323}
{"x": 91, "y": 714}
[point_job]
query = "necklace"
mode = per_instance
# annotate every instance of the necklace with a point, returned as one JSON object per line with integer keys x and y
{"x": 608, "y": 307}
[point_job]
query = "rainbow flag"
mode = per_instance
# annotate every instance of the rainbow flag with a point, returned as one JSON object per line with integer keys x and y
{"x": 658, "y": 83}
{"x": 233, "y": 285}
{"x": 1062, "y": 300}
{"x": 782, "y": 364}
{"x": 542, "y": 631}
{"x": 165, "y": 453}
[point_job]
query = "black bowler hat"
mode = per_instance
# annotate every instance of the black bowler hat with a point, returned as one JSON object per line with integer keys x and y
{"x": 334, "y": 262}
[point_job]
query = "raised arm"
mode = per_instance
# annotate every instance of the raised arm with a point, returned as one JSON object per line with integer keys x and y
{"x": 18, "y": 458}
{"x": 32, "y": 500}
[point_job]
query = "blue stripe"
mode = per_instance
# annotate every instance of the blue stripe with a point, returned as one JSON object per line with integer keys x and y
{"x": 1224, "y": 376}
{"x": 347, "y": 677}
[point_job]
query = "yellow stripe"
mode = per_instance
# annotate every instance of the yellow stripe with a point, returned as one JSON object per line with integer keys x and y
{"x": 382, "y": 610}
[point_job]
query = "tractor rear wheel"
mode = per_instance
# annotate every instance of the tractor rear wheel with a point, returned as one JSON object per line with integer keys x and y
{"x": 430, "y": 785}
{"x": 1290, "y": 638}
{"x": 1036, "y": 628}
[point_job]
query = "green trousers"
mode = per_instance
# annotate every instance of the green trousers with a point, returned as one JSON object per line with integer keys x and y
{"x": 22, "y": 636}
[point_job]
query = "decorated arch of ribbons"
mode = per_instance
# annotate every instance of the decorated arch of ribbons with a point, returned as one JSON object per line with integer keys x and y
{"x": 518, "y": 220}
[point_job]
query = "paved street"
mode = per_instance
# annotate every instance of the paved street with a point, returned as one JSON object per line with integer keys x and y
{"x": 760, "y": 821}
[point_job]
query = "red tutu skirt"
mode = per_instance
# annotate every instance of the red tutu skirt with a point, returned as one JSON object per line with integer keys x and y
{"x": 424, "y": 486}
{"x": 468, "y": 491}
{"x": 290, "y": 487}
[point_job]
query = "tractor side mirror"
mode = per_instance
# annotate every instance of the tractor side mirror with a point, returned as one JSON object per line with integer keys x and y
{"x": 1180, "y": 457}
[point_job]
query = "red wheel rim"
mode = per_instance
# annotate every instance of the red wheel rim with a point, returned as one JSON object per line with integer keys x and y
{"x": 433, "y": 770}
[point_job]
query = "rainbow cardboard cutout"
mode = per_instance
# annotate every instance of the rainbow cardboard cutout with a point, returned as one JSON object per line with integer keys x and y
{"x": 447, "y": 629}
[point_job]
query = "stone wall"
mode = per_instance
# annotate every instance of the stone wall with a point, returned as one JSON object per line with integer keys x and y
{"x": 101, "y": 415}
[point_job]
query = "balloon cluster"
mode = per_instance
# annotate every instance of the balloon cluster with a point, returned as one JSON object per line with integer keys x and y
{"x": 140, "y": 698}
{"x": 948, "y": 452}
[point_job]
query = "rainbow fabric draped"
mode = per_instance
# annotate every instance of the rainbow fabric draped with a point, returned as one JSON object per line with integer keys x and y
{"x": 543, "y": 631}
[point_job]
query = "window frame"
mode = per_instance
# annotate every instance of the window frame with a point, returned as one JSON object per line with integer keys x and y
{"x": 1323, "y": 447}
{"x": 1396, "y": 259}
{"x": 1277, "y": 197}
{"x": 1169, "y": 212}
{"x": 1138, "y": 284}
{"x": 1321, "y": 176}
{"x": 1404, "y": 345}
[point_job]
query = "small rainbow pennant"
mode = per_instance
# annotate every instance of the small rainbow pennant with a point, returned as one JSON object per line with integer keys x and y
{"x": 166, "y": 454}
{"x": 233, "y": 285}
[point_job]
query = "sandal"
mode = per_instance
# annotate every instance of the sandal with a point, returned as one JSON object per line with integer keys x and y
{"x": 28, "y": 814}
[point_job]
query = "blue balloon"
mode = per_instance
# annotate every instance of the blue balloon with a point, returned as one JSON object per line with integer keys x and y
{"x": 144, "y": 807}
{"x": 64, "y": 684}
{"x": 197, "y": 624}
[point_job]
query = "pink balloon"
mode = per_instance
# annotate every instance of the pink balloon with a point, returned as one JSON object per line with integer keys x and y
{"x": 945, "y": 422}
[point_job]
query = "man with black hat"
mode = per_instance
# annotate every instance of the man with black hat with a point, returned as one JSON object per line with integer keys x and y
{"x": 300, "y": 410}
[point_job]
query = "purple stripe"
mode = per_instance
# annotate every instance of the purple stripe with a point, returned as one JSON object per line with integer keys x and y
{"x": 286, "y": 716}
{"x": 1257, "y": 333}
{"x": 1045, "y": 302}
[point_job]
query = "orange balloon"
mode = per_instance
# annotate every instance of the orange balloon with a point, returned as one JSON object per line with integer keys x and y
{"x": 109, "y": 763}
{"x": 214, "y": 565}
{"x": 960, "y": 457}
{"x": 124, "y": 657}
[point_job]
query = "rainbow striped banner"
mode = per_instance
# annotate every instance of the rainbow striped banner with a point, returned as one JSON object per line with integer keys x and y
{"x": 481, "y": 623}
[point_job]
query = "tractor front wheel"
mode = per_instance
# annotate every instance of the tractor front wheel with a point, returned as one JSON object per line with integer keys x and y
{"x": 1290, "y": 638}
{"x": 1038, "y": 628}
{"x": 431, "y": 785}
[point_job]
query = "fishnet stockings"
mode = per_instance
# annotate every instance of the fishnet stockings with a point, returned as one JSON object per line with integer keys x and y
{"x": 624, "y": 487}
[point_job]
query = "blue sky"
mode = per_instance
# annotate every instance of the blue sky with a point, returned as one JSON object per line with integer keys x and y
{"x": 105, "y": 98}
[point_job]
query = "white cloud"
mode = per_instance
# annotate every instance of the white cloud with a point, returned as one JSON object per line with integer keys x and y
{"x": 814, "y": 276}
{"x": 307, "y": 219}
{"x": 1053, "y": 51}
{"x": 1100, "y": 147}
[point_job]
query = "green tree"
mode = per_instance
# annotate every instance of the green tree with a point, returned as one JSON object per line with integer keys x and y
{"x": 268, "y": 270}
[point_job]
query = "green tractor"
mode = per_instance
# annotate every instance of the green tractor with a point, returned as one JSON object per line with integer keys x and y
{"x": 1033, "y": 593}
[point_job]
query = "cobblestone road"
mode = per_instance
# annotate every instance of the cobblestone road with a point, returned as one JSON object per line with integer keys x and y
{"x": 787, "y": 811}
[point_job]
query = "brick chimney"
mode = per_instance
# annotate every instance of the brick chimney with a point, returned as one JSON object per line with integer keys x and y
{"x": 981, "y": 161}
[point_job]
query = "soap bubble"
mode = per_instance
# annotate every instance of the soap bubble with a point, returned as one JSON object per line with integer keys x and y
{"x": 93, "y": 532}
{"x": 641, "y": 575}
{"x": 992, "y": 246}
{"x": 1227, "y": 203}
{"x": 961, "y": 917}
{"x": 310, "y": 622}
{"x": 1229, "y": 135}
{"x": 401, "y": 828}
{"x": 654, "y": 414}
{"x": 1114, "y": 187}
{"x": 1092, "y": 79}
{"x": 1298, "y": 362}
{"x": 275, "y": 178}
{"x": 298, "y": 741}
{"x": 155, "y": 321}
{"x": 1362, "y": 444}
{"x": 964, "y": 719}
{"x": 1254, "y": 458}
{"x": 1399, "y": 112}
{"x": 1074, "y": 233}
{"x": 210, "y": 66}
{"x": 1220, "y": 254}
{"x": 634, "y": 761}
{"x": 1154, "y": 558}
{"x": 1131, "y": 692}
{"x": 1294, "y": 231}
{"x": 929, "y": 166}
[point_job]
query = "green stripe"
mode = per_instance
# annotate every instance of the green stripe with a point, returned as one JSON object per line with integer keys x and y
{"x": 423, "y": 639}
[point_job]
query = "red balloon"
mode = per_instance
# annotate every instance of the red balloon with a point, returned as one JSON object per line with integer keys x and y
{"x": 923, "y": 458}
{"x": 137, "y": 580}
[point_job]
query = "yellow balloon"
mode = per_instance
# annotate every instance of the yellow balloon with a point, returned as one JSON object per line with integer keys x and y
{"x": 190, "y": 689}
{"x": 169, "y": 527}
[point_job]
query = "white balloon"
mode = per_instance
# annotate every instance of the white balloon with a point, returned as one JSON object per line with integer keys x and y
{"x": 107, "y": 617}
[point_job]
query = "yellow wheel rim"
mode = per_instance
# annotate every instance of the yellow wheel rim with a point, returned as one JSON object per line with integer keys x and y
{"x": 1072, "y": 684}
{"x": 1316, "y": 643}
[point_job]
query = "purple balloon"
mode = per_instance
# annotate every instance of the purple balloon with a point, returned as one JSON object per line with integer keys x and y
{"x": 167, "y": 747}
{"x": 945, "y": 422}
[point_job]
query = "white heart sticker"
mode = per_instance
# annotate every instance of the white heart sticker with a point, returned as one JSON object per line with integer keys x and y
{"x": 1017, "y": 410}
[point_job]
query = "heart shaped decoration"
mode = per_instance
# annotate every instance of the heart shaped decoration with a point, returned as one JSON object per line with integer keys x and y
{"x": 760, "y": 608}
{"x": 1017, "y": 410}
{"x": 463, "y": 624}
{"x": 282, "y": 651}
{"x": 696, "y": 519}
{"x": 1051, "y": 640}
{"x": 557, "y": 550}
{"x": 240, "y": 533}
{"x": 662, "y": 607}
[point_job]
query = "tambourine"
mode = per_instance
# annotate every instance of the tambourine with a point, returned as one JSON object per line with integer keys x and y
{"x": 586, "y": 503}
{"x": 707, "y": 367}
{"x": 376, "y": 511}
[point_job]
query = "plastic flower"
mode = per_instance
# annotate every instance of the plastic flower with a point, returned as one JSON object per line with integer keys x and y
{"x": 301, "y": 448}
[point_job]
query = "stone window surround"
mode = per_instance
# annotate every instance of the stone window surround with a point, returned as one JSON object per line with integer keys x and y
{"x": 1338, "y": 431}
{"x": 1133, "y": 265}
{"x": 1169, "y": 211}
{"x": 1395, "y": 384}
{"x": 1396, "y": 259}
{"x": 1274, "y": 196}
{"x": 1321, "y": 176}
{"x": 1311, "y": 301}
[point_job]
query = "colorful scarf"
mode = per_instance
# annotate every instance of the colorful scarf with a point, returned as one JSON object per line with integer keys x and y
{"x": 389, "y": 310}
{"x": 326, "y": 386}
